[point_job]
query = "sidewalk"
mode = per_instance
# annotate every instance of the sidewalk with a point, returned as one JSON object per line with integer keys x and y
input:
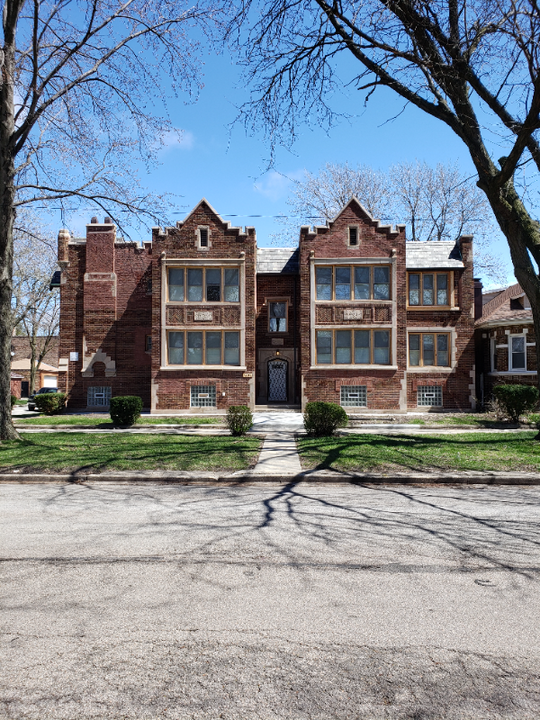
{"x": 279, "y": 462}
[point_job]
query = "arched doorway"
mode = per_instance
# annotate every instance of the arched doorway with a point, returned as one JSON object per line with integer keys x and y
{"x": 277, "y": 380}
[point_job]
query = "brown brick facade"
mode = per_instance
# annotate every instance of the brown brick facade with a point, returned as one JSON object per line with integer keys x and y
{"x": 129, "y": 325}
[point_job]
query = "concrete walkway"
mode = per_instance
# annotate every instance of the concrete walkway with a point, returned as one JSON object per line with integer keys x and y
{"x": 279, "y": 456}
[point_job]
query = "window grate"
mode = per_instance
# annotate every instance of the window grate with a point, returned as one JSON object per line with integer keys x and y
{"x": 429, "y": 396}
{"x": 354, "y": 395}
{"x": 203, "y": 396}
{"x": 99, "y": 396}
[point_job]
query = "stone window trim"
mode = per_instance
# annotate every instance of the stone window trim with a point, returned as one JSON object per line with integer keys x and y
{"x": 269, "y": 301}
{"x": 422, "y": 369}
{"x": 203, "y": 238}
{"x": 204, "y": 365}
{"x": 438, "y": 279}
{"x": 422, "y": 344}
{"x": 233, "y": 262}
{"x": 351, "y": 341}
{"x": 353, "y": 236}
{"x": 356, "y": 285}
{"x": 225, "y": 284}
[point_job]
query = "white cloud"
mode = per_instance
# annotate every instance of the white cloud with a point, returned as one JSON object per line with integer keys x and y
{"x": 177, "y": 139}
{"x": 275, "y": 185}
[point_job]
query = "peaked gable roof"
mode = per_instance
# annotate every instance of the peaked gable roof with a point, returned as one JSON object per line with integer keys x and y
{"x": 498, "y": 310}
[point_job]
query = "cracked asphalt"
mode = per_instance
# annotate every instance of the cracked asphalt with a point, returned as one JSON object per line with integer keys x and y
{"x": 298, "y": 601}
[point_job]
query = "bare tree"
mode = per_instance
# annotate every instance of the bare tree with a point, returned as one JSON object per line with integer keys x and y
{"x": 436, "y": 204}
{"x": 472, "y": 64}
{"x": 35, "y": 307}
{"x": 82, "y": 91}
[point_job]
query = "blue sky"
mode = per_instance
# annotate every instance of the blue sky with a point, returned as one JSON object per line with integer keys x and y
{"x": 229, "y": 168}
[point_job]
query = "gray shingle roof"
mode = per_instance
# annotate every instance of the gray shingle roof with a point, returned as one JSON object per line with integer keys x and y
{"x": 433, "y": 254}
{"x": 277, "y": 261}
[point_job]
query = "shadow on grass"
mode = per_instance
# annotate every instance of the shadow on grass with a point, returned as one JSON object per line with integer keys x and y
{"x": 83, "y": 453}
{"x": 422, "y": 452}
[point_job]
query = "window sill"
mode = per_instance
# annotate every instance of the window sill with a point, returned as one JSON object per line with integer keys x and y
{"x": 351, "y": 302}
{"x": 512, "y": 372}
{"x": 354, "y": 367}
{"x": 430, "y": 369}
{"x": 425, "y": 308}
{"x": 209, "y": 303}
{"x": 209, "y": 368}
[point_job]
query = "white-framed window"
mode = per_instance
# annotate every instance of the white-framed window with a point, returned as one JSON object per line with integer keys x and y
{"x": 203, "y": 237}
{"x": 352, "y": 347}
{"x": 98, "y": 396}
{"x": 493, "y": 354}
{"x": 203, "y": 396}
{"x": 202, "y": 285}
{"x": 203, "y": 347}
{"x": 353, "y": 395}
{"x": 429, "y": 396}
{"x": 517, "y": 352}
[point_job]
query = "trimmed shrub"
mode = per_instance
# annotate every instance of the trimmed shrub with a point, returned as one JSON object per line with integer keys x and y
{"x": 50, "y": 403}
{"x": 13, "y": 400}
{"x": 324, "y": 418}
{"x": 239, "y": 419}
{"x": 515, "y": 400}
{"x": 125, "y": 409}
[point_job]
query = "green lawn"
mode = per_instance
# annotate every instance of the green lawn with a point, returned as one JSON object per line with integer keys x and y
{"x": 98, "y": 452}
{"x": 473, "y": 451}
{"x": 105, "y": 420}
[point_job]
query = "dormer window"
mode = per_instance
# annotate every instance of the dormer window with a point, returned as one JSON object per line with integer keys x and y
{"x": 517, "y": 303}
{"x": 204, "y": 238}
{"x": 353, "y": 236}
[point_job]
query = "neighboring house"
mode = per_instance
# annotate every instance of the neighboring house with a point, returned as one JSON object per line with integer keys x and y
{"x": 16, "y": 381}
{"x": 46, "y": 375}
{"x": 21, "y": 353}
{"x": 505, "y": 340}
{"x": 198, "y": 318}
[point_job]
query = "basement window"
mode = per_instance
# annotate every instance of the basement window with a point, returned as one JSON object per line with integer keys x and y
{"x": 429, "y": 396}
{"x": 203, "y": 396}
{"x": 353, "y": 396}
{"x": 99, "y": 396}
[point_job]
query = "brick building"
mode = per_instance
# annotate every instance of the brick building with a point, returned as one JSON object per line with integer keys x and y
{"x": 198, "y": 318}
{"x": 506, "y": 341}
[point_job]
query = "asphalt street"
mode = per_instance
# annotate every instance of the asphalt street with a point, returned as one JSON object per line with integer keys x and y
{"x": 299, "y": 601}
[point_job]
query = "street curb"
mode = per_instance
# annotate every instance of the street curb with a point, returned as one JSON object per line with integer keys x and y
{"x": 253, "y": 478}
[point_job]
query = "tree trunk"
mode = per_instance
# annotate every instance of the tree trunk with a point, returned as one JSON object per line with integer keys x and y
{"x": 7, "y": 218}
{"x": 521, "y": 233}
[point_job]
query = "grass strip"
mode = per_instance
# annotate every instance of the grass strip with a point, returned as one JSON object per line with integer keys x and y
{"x": 473, "y": 451}
{"x": 104, "y": 421}
{"x": 71, "y": 452}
